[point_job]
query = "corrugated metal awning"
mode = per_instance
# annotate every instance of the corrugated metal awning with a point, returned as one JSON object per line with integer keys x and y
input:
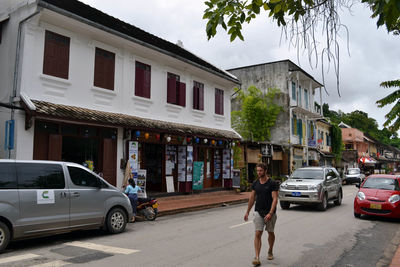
{"x": 65, "y": 112}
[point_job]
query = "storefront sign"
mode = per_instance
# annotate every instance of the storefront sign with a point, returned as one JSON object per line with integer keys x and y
{"x": 198, "y": 175}
{"x": 217, "y": 164}
{"x": 141, "y": 182}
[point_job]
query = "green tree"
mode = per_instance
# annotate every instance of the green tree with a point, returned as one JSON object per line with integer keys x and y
{"x": 393, "y": 117}
{"x": 257, "y": 114}
{"x": 337, "y": 143}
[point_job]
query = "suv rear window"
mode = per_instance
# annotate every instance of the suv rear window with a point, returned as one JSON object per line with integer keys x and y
{"x": 308, "y": 174}
{"x": 8, "y": 177}
{"x": 40, "y": 176}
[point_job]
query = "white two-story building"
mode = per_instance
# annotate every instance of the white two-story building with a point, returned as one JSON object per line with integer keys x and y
{"x": 79, "y": 85}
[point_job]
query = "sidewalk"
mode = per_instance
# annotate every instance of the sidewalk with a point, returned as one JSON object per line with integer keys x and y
{"x": 198, "y": 201}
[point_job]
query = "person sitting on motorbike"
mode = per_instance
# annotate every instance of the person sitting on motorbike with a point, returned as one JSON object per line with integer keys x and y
{"x": 131, "y": 191}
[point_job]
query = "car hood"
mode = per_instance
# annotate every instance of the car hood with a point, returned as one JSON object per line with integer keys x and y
{"x": 378, "y": 194}
{"x": 303, "y": 182}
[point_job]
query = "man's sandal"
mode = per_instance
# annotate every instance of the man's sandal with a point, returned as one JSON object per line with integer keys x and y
{"x": 256, "y": 262}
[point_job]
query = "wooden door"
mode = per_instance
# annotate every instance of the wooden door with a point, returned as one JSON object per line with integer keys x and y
{"x": 110, "y": 160}
{"x": 40, "y": 146}
{"x": 55, "y": 147}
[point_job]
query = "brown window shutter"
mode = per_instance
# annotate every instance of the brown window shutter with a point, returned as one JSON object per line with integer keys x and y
{"x": 56, "y": 55}
{"x": 216, "y": 102}
{"x": 171, "y": 90}
{"x": 104, "y": 69}
{"x": 221, "y": 105}
{"x": 201, "y": 98}
{"x": 147, "y": 82}
{"x": 182, "y": 94}
{"x": 195, "y": 97}
{"x": 139, "y": 81}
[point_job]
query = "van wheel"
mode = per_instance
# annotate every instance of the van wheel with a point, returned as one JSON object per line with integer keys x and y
{"x": 4, "y": 236}
{"x": 324, "y": 204}
{"x": 338, "y": 201}
{"x": 116, "y": 221}
{"x": 284, "y": 205}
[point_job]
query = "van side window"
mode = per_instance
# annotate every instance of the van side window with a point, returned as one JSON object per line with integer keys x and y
{"x": 81, "y": 177}
{"x": 40, "y": 176}
{"x": 8, "y": 176}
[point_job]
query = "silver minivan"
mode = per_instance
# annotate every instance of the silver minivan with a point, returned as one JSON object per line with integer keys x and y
{"x": 51, "y": 197}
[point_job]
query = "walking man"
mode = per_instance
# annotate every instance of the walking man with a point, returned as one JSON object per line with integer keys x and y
{"x": 265, "y": 194}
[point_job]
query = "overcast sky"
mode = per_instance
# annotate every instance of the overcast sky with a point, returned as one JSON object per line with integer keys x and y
{"x": 374, "y": 54}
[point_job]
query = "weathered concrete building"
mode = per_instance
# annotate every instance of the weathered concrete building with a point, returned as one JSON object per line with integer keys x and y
{"x": 294, "y": 131}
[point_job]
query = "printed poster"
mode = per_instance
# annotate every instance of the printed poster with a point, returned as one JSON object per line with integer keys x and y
{"x": 189, "y": 164}
{"x": 226, "y": 164}
{"x": 133, "y": 156}
{"x": 182, "y": 163}
{"x": 198, "y": 175}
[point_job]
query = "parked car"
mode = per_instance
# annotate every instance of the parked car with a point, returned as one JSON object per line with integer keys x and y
{"x": 354, "y": 175}
{"x": 379, "y": 195}
{"x": 49, "y": 197}
{"x": 311, "y": 185}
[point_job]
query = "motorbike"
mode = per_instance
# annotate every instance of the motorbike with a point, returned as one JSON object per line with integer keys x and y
{"x": 148, "y": 208}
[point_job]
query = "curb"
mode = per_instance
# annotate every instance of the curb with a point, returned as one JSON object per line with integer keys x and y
{"x": 201, "y": 207}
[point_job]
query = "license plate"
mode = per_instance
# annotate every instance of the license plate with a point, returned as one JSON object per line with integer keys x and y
{"x": 376, "y": 206}
{"x": 296, "y": 194}
{"x": 155, "y": 206}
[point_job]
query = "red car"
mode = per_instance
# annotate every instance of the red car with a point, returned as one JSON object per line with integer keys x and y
{"x": 379, "y": 195}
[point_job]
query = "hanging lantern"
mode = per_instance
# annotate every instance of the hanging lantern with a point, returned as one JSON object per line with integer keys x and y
{"x": 213, "y": 142}
{"x": 146, "y": 135}
{"x": 137, "y": 133}
{"x": 157, "y": 136}
{"x": 205, "y": 140}
{"x": 189, "y": 139}
{"x": 220, "y": 142}
{"x": 238, "y": 143}
{"x": 168, "y": 139}
{"x": 179, "y": 139}
{"x": 233, "y": 143}
{"x": 197, "y": 140}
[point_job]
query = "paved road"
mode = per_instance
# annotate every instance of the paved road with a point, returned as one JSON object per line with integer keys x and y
{"x": 220, "y": 237}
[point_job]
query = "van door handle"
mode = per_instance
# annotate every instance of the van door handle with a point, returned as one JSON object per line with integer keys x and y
{"x": 63, "y": 194}
{"x": 76, "y": 194}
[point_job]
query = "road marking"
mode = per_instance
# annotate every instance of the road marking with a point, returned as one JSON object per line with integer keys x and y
{"x": 237, "y": 225}
{"x": 18, "y": 258}
{"x": 58, "y": 263}
{"x": 107, "y": 249}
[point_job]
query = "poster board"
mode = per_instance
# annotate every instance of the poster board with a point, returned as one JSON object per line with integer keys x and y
{"x": 182, "y": 163}
{"x": 226, "y": 164}
{"x": 198, "y": 175}
{"x": 217, "y": 164}
{"x": 133, "y": 159}
{"x": 236, "y": 178}
{"x": 170, "y": 184}
{"x": 141, "y": 182}
{"x": 189, "y": 164}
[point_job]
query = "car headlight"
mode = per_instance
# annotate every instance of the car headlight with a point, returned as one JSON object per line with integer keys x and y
{"x": 394, "y": 198}
{"x": 284, "y": 186}
{"x": 316, "y": 187}
{"x": 360, "y": 195}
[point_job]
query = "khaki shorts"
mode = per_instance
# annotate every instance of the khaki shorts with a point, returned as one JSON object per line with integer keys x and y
{"x": 259, "y": 222}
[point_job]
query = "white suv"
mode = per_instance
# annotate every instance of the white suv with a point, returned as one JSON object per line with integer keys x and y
{"x": 311, "y": 185}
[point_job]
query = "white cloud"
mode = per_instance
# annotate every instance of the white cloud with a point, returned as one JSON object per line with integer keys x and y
{"x": 374, "y": 54}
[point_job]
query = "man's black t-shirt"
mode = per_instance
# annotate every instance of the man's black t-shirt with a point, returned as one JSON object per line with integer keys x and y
{"x": 264, "y": 195}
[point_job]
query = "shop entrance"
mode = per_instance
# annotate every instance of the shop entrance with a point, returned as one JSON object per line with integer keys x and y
{"x": 153, "y": 156}
{"x": 80, "y": 150}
